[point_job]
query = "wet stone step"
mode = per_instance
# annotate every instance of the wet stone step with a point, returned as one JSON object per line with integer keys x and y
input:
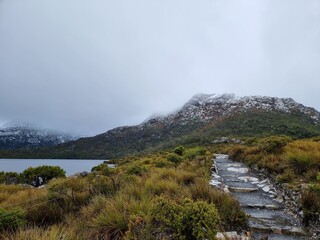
{"x": 258, "y": 199}
{"x": 254, "y": 198}
{"x": 237, "y": 183}
{"x": 278, "y": 233}
{"x": 266, "y": 214}
{"x": 271, "y": 222}
{"x": 228, "y": 173}
{"x": 230, "y": 164}
{"x": 274, "y": 236}
{"x": 261, "y": 206}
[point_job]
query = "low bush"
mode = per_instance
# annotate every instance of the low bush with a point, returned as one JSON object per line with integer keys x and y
{"x": 194, "y": 152}
{"x": 187, "y": 220}
{"x": 10, "y": 220}
{"x": 174, "y": 158}
{"x": 179, "y": 150}
{"x": 230, "y": 212}
{"x": 9, "y": 178}
{"x": 136, "y": 169}
{"x": 41, "y": 175}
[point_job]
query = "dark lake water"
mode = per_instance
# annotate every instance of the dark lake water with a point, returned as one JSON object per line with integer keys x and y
{"x": 71, "y": 166}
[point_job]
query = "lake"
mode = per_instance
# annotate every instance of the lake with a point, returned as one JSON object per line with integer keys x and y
{"x": 71, "y": 166}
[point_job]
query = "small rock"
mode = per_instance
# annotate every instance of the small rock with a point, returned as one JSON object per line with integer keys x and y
{"x": 301, "y": 214}
{"x": 272, "y": 207}
{"x": 248, "y": 178}
{"x": 295, "y": 231}
{"x": 226, "y": 189}
{"x": 276, "y": 230}
{"x": 266, "y": 189}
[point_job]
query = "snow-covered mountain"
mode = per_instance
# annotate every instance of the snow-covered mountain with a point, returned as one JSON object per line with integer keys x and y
{"x": 16, "y": 135}
{"x": 202, "y": 120}
{"x": 210, "y": 107}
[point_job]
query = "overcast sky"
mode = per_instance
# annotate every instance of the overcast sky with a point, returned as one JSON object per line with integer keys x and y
{"x": 87, "y": 66}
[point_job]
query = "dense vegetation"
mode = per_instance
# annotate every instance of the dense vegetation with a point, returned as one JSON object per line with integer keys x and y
{"x": 160, "y": 196}
{"x": 293, "y": 162}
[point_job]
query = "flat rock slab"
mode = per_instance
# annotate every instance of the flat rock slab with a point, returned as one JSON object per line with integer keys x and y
{"x": 238, "y": 170}
{"x": 254, "y": 198}
{"x": 248, "y": 179}
{"x": 241, "y": 184}
{"x": 274, "y": 236}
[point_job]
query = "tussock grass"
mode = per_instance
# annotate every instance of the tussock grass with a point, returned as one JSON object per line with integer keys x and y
{"x": 36, "y": 233}
{"x": 119, "y": 203}
{"x": 229, "y": 209}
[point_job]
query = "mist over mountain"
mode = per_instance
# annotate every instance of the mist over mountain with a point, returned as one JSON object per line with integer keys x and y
{"x": 203, "y": 119}
{"x": 14, "y": 135}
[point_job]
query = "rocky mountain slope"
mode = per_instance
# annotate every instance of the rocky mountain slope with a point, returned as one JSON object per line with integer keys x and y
{"x": 204, "y": 118}
{"x": 20, "y": 135}
{"x": 210, "y": 107}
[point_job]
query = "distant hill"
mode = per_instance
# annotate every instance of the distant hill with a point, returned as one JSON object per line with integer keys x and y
{"x": 204, "y": 118}
{"x": 20, "y": 135}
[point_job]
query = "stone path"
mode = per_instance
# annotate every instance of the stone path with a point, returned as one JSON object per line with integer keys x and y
{"x": 258, "y": 199}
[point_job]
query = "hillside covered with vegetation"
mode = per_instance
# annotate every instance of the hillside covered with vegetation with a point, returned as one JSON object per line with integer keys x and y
{"x": 156, "y": 136}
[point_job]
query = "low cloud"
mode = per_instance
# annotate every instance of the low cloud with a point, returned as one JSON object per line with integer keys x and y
{"x": 88, "y": 66}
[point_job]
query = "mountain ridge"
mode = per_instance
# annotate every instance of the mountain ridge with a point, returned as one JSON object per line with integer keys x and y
{"x": 200, "y": 120}
{"x": 15, "y": 135}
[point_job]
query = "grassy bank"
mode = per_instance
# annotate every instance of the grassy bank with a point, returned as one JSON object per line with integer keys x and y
{"x": 160, "y": 196}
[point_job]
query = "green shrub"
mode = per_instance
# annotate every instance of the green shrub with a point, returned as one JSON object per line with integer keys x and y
{"x": 179, "y": 150}
{"x": 273, "y": 144}
{"x": 162, "y": 163}
{"x": 194, "y": 152}
{"x": 188, "y": 220}
{"x": 41, "y": 175}
{"x": 174, "y": 158}
{"x": 136, "y": 170}
{"x": 10, "y": 220}
{"x": 9, "y": 177}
